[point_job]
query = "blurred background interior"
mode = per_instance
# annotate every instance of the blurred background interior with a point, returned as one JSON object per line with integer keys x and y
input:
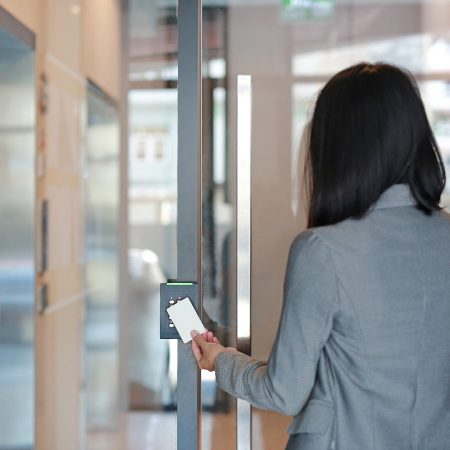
{"x": 88, "y": 197}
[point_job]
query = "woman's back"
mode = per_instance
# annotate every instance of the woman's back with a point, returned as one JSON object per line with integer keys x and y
{"x": 383, "y": 379}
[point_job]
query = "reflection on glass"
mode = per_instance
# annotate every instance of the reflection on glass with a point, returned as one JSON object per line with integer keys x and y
{"x": 101, "y": 253}
{"x": 17, "y": 271}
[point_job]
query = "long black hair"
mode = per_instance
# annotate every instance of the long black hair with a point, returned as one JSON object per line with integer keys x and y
{"x": 368, "y": 132}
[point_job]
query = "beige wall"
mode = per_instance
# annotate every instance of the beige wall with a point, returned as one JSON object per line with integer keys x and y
{"x": 27, "y": 11}
{"x": 102, "y": 25}
{"x": 76, "y": 39}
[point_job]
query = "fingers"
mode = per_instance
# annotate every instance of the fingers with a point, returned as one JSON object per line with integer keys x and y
{"x": 204, "y": 348}
{"x": 196, "y": 350}
{"x": 198, "y": 338}
{"x": 198, "y": 343}
{"x": 209, "y": 337}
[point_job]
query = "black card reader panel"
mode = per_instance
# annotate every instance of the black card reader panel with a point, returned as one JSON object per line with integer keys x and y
{"x": 170, "y": 293}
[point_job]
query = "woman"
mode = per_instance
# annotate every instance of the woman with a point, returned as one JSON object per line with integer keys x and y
{"x": 362, "y": 354}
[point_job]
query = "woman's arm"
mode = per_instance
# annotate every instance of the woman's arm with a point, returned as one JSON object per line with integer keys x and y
{"x": 285, "y": 381}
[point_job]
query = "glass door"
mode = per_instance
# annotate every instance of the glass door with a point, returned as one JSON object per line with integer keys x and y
{"x": 101, "y": 258}
{"x": 17, "y": 240}
{"x": 262, "y": 64}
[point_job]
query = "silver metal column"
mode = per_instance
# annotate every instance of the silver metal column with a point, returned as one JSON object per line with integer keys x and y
{"x": 189, "y": 207}
{"x": 244, "y": 123}
{"x": 123, "y": 212}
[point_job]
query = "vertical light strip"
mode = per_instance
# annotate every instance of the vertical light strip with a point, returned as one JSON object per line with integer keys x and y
{"x": 123, "y": 212}
{"x": 244, "y": 124}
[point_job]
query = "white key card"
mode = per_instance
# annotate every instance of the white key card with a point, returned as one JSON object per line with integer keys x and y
{"x": 185, "y": 318}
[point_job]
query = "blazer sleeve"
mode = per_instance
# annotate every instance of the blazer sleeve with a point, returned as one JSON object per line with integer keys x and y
{"x": 285, "y": 381}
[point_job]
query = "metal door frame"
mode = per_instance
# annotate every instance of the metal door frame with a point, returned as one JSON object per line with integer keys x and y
{"x": 189, "y": 220}
{"x": 189, "y": 209}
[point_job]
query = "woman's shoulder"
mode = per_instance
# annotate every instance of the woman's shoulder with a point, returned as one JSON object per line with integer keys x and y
{"x": 327, "y": 235}
{"x": 444, "y": 217}
{"x": 379, "y": 225}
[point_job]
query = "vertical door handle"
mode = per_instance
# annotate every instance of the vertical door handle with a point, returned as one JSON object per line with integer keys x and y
{"x": 243, "y": 226}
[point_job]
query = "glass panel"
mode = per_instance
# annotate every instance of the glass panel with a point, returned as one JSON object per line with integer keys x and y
{"x": 152, "y": 191}
{"x": 290, "y": 48}
{"x": 152, "y": 218}
{"x": 17, "y": 270}
{"x": 152, "y": 362}
{"x": 101, "y": 252}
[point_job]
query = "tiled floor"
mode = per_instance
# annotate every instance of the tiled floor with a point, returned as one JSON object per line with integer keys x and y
{"x": 157, "y": 431}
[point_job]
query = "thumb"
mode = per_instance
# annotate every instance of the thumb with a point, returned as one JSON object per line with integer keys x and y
{"x": 194, "y": 334}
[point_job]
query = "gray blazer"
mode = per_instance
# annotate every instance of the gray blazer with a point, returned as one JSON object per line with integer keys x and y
{"x": 362, "y": 354}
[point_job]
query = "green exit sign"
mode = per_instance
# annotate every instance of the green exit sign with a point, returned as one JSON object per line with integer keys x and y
{"x": 293, "y": 10}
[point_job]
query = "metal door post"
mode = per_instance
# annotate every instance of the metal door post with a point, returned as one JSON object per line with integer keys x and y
{"x": 189, "y": 207}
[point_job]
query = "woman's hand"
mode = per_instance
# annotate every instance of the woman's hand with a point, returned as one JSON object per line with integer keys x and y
{"x": 206, "y": 348}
